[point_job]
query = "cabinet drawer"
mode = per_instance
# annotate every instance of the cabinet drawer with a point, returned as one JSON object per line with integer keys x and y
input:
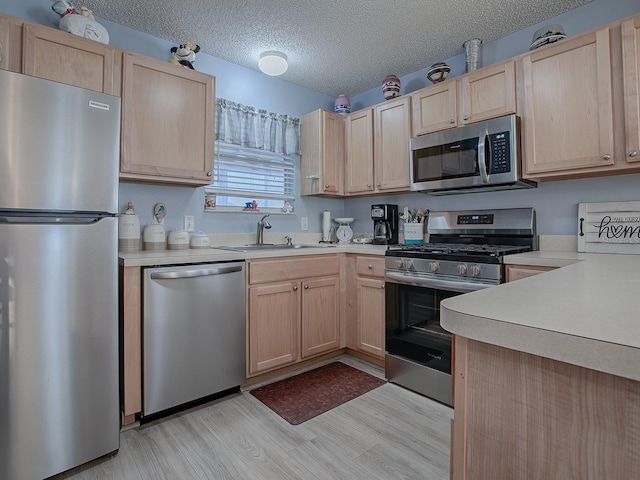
{"x": 517, "y": 272}
{"x": 370, "y": 266}
{"x": 279, "y": 269}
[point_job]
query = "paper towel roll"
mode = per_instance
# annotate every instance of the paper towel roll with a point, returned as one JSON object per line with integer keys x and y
{"x": 326, "y": 225}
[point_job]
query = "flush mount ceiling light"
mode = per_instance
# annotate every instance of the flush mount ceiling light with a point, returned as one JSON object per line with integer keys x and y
{"x": 273, "y": 63}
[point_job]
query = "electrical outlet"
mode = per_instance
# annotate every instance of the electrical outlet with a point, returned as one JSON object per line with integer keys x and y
{"x": 189, "y": 223}
{"x": 305, "y": 223}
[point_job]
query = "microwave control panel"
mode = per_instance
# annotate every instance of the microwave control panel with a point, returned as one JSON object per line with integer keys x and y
{"x": 500, "y": 153}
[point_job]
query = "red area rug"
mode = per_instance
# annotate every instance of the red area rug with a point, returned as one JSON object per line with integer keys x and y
{"x": 307, "y": 395}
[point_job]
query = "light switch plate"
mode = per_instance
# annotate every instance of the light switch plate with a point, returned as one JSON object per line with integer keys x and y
{"x": 305, "y": 223}
{"x": 189, "y": 223}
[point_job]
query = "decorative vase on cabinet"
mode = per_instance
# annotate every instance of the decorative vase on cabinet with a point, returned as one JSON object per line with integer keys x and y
{"x": 390, "y": 87}
{"x": 342, "y": 105}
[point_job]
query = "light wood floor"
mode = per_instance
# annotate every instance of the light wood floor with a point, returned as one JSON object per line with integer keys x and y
{"x": 388, "y": 433}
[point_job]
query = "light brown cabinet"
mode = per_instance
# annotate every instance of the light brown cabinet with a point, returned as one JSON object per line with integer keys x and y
{"x": 486, "y": 93}
{"x": 293, "y": 310}
{"x": 377, "y": 148}
{"x": 322, "y": 159}
{"x": 631, "y": 79}
{"x": 167, "y": 123}
{"x": 62, "y": 57}
{"x": 11, "y": 29}
{"x": 568, "y": 106}
{"x": 519, "y": 415}
{"x": 365, "y": 305}
{"x": 574, "y": 97}
{"x": 359, "y": 151}
{"x": 392, "y": 127}
{"x": 517, "y": 272}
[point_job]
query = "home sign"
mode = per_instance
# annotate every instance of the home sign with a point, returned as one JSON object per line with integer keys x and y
{"x": 609, "y": 227}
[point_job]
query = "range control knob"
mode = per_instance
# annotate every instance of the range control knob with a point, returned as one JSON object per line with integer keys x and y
{"x": 399, "y": 264}
{"x": 462, "y": 269}
{"x": 434, "y": 266}
{"x": 475, "y": 270}
{"x": 407, "y": 264}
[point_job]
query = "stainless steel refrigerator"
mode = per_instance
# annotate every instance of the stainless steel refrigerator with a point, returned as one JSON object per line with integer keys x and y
{"x": 59, "y": 390}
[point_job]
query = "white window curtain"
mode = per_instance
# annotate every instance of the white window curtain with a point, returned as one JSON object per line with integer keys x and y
{"x": 249, "y": 127}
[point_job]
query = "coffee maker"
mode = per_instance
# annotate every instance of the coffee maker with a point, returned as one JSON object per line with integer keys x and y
{"x": 385, "y": 224}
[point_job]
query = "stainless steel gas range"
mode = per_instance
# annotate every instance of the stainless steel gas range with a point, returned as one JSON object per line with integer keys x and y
{"x": 465, "y": 253}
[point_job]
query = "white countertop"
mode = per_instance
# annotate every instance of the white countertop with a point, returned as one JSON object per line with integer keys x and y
{"x": 585, "y": 313}
{"x": 179, "y": 257}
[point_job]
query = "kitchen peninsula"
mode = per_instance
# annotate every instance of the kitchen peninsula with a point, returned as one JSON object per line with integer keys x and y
{"x": 547, "y": 371}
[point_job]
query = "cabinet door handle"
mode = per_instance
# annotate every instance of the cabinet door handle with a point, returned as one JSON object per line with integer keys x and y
{"x": 465, "y": 118}
{"x": 295, "y": 288}
{"x": 606, "y": 156}
{"x": 452, "y": 121}
{"x": 368, "y": 185}
{"x": 208, "y": 174}
{"x": 326, "y": 185}
{"x": 633, "y": 153}
{"x": 370, "y": 267}
{"x": 382, "y": 285}
{"x": 306, "y": 286}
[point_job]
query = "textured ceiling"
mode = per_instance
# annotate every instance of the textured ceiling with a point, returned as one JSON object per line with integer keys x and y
{"x": 334, "y": 46}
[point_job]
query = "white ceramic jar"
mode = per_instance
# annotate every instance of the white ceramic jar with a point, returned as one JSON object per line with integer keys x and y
{"x": 200, "y": 240}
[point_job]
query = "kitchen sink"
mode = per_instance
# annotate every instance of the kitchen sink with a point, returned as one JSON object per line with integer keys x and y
{"x": 270, "y": 246}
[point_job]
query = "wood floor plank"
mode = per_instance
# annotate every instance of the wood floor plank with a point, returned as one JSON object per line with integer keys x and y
{"x": 388, "y": 433}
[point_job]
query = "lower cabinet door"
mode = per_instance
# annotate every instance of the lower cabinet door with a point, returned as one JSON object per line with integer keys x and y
{"x": 273, "y": 326}
{"x": 320, "y": 315}
{"x": 370, "y": 316}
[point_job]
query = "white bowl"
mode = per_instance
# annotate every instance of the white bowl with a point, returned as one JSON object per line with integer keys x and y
{"x": 343, "y": 220}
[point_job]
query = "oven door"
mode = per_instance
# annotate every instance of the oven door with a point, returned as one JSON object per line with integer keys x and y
{"x": 418, "y": 349}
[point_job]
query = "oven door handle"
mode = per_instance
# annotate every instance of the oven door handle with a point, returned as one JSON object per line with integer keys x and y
{"x": 435, "y": 283}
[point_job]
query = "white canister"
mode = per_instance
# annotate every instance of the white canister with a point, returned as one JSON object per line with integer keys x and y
{"x": 153, "y": 237}
{"x": 200, "y": 240}
{"x": 413, "y": 233}
{"x": 178, "y": 239}
{"x": 129, "y": 230}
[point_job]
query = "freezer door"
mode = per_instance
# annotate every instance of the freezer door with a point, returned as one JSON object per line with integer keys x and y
{"x": 59, "y": 146}
{"x": 59, "y": 391}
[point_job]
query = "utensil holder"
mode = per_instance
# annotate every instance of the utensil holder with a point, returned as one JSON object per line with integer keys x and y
{"x": 413, "y": 233}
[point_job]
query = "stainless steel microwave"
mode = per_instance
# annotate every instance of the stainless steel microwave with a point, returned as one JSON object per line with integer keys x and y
{"x": 483, "y": 156}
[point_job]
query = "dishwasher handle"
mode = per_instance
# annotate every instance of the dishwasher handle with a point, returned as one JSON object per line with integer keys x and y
{"x": 199, "y": 272}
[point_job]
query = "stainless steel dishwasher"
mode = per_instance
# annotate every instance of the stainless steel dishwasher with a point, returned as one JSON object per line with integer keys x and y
{"x": 193, "y": 333}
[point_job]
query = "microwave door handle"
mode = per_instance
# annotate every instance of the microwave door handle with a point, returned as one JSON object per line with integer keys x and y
{"x": 482, "y": 160}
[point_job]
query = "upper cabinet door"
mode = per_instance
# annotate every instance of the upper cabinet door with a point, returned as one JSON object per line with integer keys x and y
{"x": 322, "y": 159}
{"x": 167, "y": 122}
{"x": 391, "y": 145}
{"x": 435, "y": 108}
{"x": 66, "y": 58}
{"x": 359, "y": 151}
{"x": 10, "y": 44}
{"x": 489, "y": 92}
{"x": 568, "y": 105}
{"x": 631, "y": 68}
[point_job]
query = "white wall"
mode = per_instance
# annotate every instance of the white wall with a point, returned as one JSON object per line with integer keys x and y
{"x": 555, "y": 202}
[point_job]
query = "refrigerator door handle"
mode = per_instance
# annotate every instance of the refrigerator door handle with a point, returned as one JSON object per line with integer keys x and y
{"x": 18, "y": 219}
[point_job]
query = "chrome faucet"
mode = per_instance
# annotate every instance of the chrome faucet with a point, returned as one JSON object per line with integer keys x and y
{"x": 262, "y": 224}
